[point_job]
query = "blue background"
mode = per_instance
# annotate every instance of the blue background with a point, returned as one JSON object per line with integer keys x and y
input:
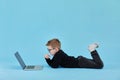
{"x": 26, "y": 26}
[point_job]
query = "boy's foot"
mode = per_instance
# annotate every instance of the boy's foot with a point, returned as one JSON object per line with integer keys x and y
{"x": 92, "y": 47}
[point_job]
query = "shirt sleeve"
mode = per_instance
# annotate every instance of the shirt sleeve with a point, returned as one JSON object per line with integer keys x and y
{"x": 55, "y": 62}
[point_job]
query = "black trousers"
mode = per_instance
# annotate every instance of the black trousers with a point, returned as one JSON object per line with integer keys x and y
{"x": 96, "y": 62}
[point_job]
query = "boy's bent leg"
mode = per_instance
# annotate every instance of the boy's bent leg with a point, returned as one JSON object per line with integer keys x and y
{"x": 96, "y": 62}
{"x": 97, "y": 59}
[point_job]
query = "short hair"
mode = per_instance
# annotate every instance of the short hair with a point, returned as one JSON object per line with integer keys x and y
{"x": 55, "y": 43}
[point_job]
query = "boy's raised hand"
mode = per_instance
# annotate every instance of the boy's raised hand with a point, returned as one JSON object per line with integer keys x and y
{"x": 47, "y": 56}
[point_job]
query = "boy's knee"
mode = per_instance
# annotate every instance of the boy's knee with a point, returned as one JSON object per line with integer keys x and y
{"x": 100, "y": 66}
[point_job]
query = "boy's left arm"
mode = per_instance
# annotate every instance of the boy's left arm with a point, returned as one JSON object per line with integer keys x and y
{"x": 55, "y": 62}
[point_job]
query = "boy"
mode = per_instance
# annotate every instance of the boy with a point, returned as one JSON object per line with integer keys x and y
{"x": 62, "y": 59}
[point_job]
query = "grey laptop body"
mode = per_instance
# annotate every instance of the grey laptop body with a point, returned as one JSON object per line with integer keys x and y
{"x": 27, "y": 67}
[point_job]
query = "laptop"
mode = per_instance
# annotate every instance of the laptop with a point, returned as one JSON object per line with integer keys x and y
{"x": 27, "y": 67}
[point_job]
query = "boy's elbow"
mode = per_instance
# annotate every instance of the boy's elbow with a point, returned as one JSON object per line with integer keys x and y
{"x": 54, "y": 66}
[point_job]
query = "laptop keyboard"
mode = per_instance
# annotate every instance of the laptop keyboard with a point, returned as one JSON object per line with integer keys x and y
{"x": 30, "y": 67}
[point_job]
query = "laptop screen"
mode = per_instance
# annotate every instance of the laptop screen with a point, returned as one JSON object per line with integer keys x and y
{"x": 20, "y": 60}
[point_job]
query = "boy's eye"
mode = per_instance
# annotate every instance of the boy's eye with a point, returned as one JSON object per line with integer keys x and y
{"x": 50, "y": 49}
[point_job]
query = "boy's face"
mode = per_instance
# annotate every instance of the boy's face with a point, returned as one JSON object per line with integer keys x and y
{"x": 52, "y": 50}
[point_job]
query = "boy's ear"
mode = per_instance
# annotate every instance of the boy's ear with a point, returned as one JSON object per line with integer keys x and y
{"x": 57, "y": 49}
